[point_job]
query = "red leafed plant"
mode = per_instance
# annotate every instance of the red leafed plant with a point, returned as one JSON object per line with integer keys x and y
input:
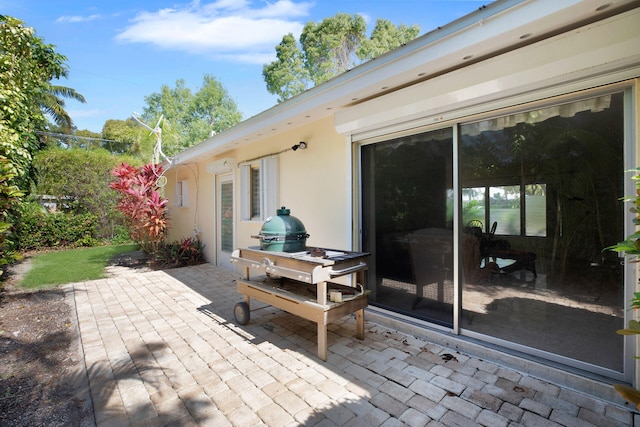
{"x": 141, "y": 204}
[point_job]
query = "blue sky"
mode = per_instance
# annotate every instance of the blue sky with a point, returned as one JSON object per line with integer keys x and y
{"x": 121, "y": 51}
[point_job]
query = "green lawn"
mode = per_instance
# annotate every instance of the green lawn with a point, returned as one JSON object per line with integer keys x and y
{"x": 75, "y": 265}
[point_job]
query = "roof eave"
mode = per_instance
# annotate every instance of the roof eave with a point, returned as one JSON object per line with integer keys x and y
{"x": 492, "y": 29}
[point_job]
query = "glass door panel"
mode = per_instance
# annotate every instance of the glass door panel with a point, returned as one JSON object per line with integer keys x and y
{"x": 550, "y": 180}
{"x": 407, "y": 189}
{"x": 225, "y": 226}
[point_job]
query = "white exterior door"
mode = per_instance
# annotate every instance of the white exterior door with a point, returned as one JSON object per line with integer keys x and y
{"x": 225, "y": 226}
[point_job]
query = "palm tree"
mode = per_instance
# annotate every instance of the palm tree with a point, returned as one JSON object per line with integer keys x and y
{"x": 51, "y": 103}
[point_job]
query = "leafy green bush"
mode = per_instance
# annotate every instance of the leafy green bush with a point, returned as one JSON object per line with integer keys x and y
{"x": 631, "y": 247}
{"x": 38, "y": 228}
{"x": 9, "y": 198}
{"x": 120, "y": 235}
{"x": 80, "y": 178}
{"x": 180, "y": 254}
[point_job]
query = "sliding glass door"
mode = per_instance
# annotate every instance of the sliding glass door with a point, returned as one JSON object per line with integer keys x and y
{"x": 408, "y": 222}
{"x": 538, "y": 202}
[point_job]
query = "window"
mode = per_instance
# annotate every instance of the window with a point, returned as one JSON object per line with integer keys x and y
{"x": 258, "y": 185}
{"x": 254, "y": 197}
{"x": 517, "y": 210}
{"x": 182, "y": 191}
{"x": 535, "y": 214}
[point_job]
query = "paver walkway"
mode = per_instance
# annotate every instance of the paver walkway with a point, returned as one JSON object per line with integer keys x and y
{"x": 162, "y": 348}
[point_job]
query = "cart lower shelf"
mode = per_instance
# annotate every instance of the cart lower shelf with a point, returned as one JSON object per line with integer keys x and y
{"x": 300, "y": 299}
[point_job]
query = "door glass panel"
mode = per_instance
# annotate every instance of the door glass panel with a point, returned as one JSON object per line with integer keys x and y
{"x": 550, "y": 180}
{"x": 226, "y": 216}
{"x": 408, "y": 224}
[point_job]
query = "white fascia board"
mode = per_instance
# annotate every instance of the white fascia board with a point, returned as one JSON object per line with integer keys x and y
{"x": 494, "y": 28}
{"x": 445, "y": 48}
{"x": 268, "y": 123}
{"x": 480, "y": 35}
{"x": 230, "y": 138}
{"x": 601, "y": 48}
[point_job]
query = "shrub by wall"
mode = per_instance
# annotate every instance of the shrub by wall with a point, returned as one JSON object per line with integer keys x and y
{"x": 182, "y": 253}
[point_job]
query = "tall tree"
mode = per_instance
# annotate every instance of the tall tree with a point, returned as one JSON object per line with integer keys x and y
{"x": 385, "y": 37}
{"x": 27, "y": 67}
{"x": 127, "y": 137}
{"x": 330, "y": 46}
{"x": 287, "y": 76}
{"x": 190, "y": 118}
{"x": 213, "y": 105}
{"x": 327, "y": 49}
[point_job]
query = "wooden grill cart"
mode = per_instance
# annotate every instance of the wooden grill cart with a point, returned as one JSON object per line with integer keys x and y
{"x": 317, "y": 285}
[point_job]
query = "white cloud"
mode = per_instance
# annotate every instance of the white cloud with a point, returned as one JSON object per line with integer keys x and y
{"x": 74, "y": 19}
{"x": 225, "y": 29}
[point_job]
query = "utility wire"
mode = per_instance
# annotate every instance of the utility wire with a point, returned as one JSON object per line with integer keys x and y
{"x": 66, "y": 135}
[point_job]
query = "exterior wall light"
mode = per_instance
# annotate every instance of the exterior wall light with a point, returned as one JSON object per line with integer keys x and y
{"x": 301, "y": 145}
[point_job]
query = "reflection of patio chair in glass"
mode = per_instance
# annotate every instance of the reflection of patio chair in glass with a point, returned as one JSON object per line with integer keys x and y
{"x": 431, "y": 261}
{"x": 489, "y": 245}
{"x": 475, "y": 255}
{"x": 476, "y": 223}
{"x": 508, "y": 260}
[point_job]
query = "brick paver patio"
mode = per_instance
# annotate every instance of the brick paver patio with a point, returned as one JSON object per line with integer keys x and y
{"x": 162, "y": 348}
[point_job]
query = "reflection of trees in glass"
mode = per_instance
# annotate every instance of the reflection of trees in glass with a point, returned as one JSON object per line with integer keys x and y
{"x": 535, "y": 190}
{"x": 411, "y": 182}
{"x": 505, "y": 196}
{"x": 575, "y": 161}
{"x": 473, "y": 208}
{"x": 583, "y": 173}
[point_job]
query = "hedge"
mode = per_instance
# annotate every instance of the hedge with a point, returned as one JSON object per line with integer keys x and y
{"x": 40, "y": 229}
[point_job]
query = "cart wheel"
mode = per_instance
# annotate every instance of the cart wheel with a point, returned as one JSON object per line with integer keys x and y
{"x": 241, "y": 313}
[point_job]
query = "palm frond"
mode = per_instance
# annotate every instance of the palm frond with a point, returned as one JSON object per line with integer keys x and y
{"x": 51, "y": 103}
{"x": 54, "y": 107}
{"x": 66, "y": 92}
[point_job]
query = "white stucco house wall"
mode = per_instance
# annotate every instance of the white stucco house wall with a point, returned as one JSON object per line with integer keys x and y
{"x": 523, "y": 114}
